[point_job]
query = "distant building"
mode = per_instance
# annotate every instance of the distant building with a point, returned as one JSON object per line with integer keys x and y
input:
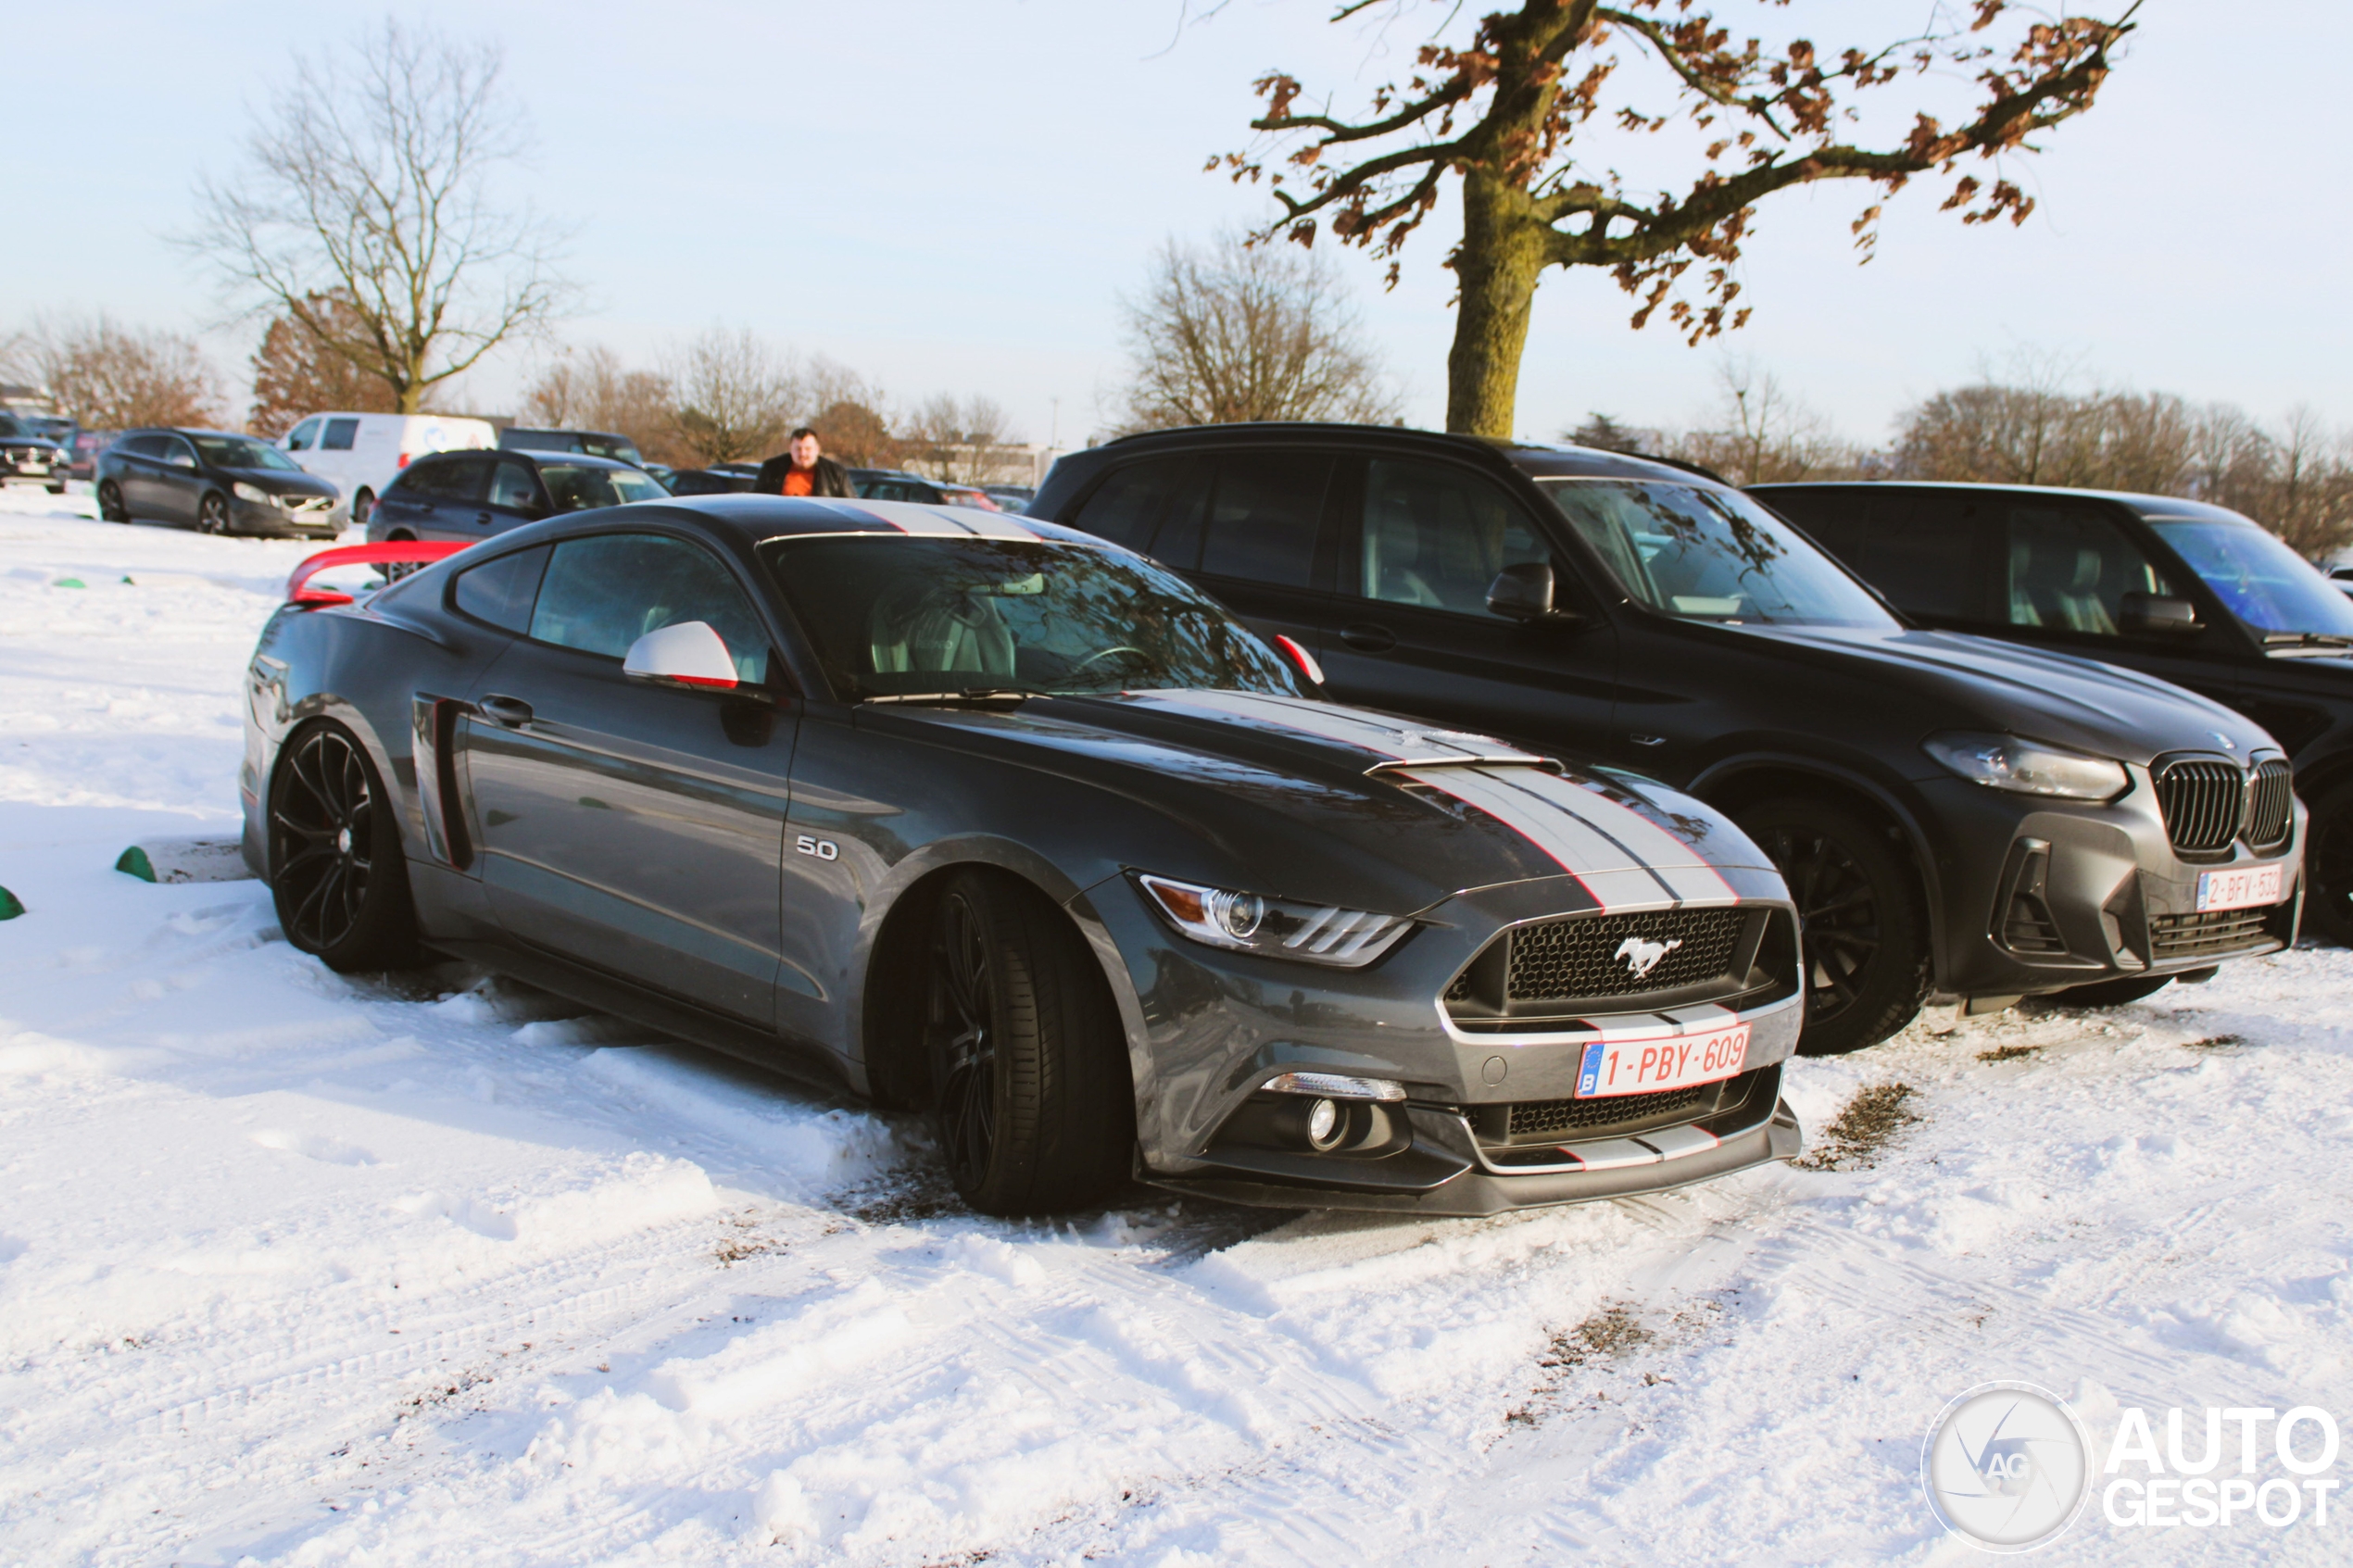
{"x": 1023, "y": 464}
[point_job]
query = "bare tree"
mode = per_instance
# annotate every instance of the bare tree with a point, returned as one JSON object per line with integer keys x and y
{"x": 1607, "y": 434}
{"x": 851, "y": 417}
{"x": 294, "y": 374}
{"x": 592, "y": 389}
{"x": 1762, "y": 434}
{"x": 113, "y": 377}
{"x": 1512, "y": 108}
{"x": 960, "y": 440}
{"x": 1236, "y": 331}
{"x": 369, "y": 182}
{"x": 736, "y": 396}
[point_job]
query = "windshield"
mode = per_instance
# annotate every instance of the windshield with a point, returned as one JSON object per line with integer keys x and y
{"x": 899, "y": 615}
{"x": 1710, "y": 555}
{"x": 619, "y": 451}
{"x": 236, "y": 452}
{"x": 574, "y": 487}
{"x": 11, "y": 425}
{"x": 2259, "y": 577}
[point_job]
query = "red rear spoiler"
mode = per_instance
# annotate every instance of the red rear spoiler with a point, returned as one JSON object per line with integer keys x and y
{"x": 413, "y": 551}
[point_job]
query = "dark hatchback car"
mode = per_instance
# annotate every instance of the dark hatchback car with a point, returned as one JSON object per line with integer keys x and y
{"x": 222, "y": 482}
{"x": 1955, "y": 817}
{"x": 474, "y": 495}
{"x": 2193, "y": 594}
{"x": 586, "y": 443}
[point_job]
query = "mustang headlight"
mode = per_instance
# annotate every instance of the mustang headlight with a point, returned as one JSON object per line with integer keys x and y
{"x": 1273, "y": 927}
{"x": 2028, "y": 767}
{"x": 253, "y": 493}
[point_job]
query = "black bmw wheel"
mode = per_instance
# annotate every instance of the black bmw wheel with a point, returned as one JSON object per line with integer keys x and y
{"x": 212, "y": 514}
{"x": 1031, "y": 1094}
{"x": 1866, "y": 944}
{"x": 336, "y": 872}
{"x": 111, "y": 506}
{"x": 2328, "y": 860}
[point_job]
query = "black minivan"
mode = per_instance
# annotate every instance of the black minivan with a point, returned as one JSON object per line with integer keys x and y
{"x": 1955, "y": 817}
{"x": 2194, "y": 594}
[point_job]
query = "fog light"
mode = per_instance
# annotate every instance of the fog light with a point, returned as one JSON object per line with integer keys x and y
{"x": 1322, "y": 1123}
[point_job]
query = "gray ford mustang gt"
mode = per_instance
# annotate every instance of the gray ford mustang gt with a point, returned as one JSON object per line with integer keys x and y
{"x": 997, "y": 821}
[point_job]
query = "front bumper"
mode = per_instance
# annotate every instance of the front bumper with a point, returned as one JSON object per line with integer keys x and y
{"x": 2115, "y": 899}
{"x": 1218, "y": 1026}
{"x": 301, "y": 520}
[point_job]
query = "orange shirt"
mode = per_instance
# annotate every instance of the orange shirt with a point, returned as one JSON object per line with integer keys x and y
{"x": 800, "y": 481}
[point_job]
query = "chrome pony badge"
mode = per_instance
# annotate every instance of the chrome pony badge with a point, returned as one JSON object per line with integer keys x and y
{"x": 1642, "y": 956}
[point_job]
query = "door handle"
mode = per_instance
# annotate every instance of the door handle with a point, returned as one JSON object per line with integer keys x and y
{"x": 511, "y": 711}
{"x": 482, "y": 519}
{"x": 1368, "y": 638}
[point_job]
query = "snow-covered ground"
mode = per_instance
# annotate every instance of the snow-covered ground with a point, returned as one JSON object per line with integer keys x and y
{"x": 307, "y": 1269}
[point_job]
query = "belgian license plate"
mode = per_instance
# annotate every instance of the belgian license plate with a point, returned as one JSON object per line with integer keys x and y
{"x": 2239, "y": 887}
{"x": 33, "y": 465}
{"x": 1644, "y": 1067}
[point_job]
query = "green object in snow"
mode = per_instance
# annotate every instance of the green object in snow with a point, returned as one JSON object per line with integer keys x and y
{"x": 128, "y": 580}
{"x": 10, "y": 905}
{"x": 70, "y": 583}
{"x": 135, "y": 860}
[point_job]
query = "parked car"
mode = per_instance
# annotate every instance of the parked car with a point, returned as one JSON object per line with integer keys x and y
{"x": 87, "y": 444}
{"x": 1957, "y": 817}
{"x": 720, "y": 478}
{"x": 2193, "y": 594}
{"x": 27, "y": 457}
{"x": 474, "y": 496}
{"x": 1066, "y": 858}
{"x": 588, "y": 443}
{"x": 220, "y": 481}
{"x": 1014, "y": 498}
{"x": 362, "y": 453}
{"x": 895, "y": 485}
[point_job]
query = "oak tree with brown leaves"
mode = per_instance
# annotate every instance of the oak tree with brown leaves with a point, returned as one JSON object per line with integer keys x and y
{"x": 1513, "y": 110}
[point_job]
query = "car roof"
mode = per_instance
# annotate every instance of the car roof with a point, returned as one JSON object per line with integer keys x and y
{"x": 538, "y": 455}
{"x": 2141, "y": 501}
{"x": 1542, "y": 459}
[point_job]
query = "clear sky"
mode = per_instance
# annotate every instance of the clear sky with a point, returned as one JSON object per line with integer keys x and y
{"x": 950, "y": 196}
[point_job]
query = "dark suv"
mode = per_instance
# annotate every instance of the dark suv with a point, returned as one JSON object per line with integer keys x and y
{"x": 1955, "y": 816}
{"x": 470, "y": 496}
{"x": 588, "y": 443}
{"x": 2196, "y": 595}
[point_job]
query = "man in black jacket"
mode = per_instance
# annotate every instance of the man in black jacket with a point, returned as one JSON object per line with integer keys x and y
{"x": 801, "y": 469}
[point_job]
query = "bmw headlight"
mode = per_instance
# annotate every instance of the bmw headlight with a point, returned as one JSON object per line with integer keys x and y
{"x": 2028, "y": 767}
{"x": 244, "y": 492}
{"x": 1274, "y": 928}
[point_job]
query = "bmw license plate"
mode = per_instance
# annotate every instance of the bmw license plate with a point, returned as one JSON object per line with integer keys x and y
{"x": 1645, "y": 1067}
{"x": 2239, "y": 887}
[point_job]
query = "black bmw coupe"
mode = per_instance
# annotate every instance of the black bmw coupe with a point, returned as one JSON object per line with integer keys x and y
{"x": 1001, "y": 822}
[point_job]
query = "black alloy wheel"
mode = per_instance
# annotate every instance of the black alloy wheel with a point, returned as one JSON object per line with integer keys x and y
{"x": 1866, "y": 940}
{"x": 394, "y": 571}
{"x": 111, "y": 506}
{"x": 336, "y": 872}
{"x": 1031, "y": 1094}
{"x": 2328, "y": 866}
{"x": 213, "y": 513}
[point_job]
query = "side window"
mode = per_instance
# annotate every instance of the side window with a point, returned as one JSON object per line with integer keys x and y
{"x": 178, "y": 453}
{"x": 340, "y": 434}
{"x": 603, "y": 593}
{"x": 445, "y": 479}
{"x": 513, "y": 486}
{"x": 302, "y": 436}
{"x": 1434, "y": 536}
{"x": 501, "y": 591}
{"x": 149, "y": 446}
{"x": 1926, "y": 551}
{"x": 1126, "y": 507}
{"x": 2069, "y": 568}
{"x": 1265, "y": 517}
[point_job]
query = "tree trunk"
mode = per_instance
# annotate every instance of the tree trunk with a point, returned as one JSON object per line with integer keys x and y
{"x": 1502, "y": 254}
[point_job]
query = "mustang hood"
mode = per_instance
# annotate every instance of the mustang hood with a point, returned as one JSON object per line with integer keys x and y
{"x": 1393, "y": 814}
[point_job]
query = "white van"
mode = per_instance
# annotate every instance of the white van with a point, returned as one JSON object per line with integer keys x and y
{"x": 362, "y": 452}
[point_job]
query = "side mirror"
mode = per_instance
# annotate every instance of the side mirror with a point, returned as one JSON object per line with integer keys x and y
{"x": 2156, "y": 613}
{"x": 1523, "y": 592}
{"x": 687, "y": 654}
{"x": 182, "y": 460}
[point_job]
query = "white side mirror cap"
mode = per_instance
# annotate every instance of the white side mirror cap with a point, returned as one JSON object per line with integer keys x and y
{"x": 689, "y": 653}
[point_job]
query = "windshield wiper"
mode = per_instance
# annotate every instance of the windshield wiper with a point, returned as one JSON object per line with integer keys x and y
{"x": 969, "y": 694}
{"x": 2306, "y": 639}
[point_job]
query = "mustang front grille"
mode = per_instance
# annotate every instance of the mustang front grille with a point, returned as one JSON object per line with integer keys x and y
{"x": 1619, "y": 955}
{"x": 2215, "y": 932}
{"x": 1533, "y": 1118}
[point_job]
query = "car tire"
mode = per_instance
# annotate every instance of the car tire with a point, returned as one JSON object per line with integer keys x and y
{"x": 59, "y": 488}
{"x": 213, "y": 513}
{"x": 111, "y": 506}
{"x": 1031, "y": 1094}
{"x": 2109, "y": 992}
{"x": 2328, "y": 866}
{"x": 336, "y": 871}
{"x": 1865, "y": 926}
{"x": 363, "y": 507}
{"x": 394, "y": 571}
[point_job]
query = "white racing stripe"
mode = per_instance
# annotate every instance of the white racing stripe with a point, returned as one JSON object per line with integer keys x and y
{"x": 1394, "y": 744}
{"x": 946, "y": 522}
{"x": 1680, "y": 867}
